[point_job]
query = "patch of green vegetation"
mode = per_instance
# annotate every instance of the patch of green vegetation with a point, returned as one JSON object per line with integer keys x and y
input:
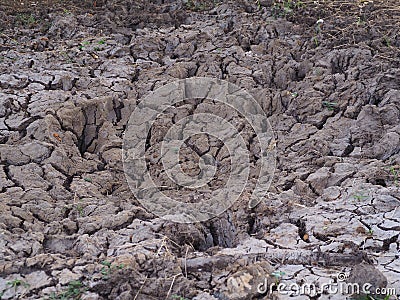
{"x": 108, "y": 268}
{"x": 329, "y": 105}
{"x": 278, "y": 276}
{"x": 83, "y": 44}
{"x": 318, "y": 31}
{"x": 76, "y": 207}
{"x": 359, "y": 196}
{"x": 316, "y": 42}
{"x": 360, "y": 21}
{"x": 318, "y": 71}
{"x": 66, "y": 57}
{"x": 394, "y": 172}
{"x": 199, "y": 5}
{"x": 101, "y": 42}
{"x": 74, "y": 291}
{"x": 285, "y": 7}
{"x": 386, "y": 40}
{"x": 194, "y": 5}
{"x": 79, "y": 208}
{"x": 16, "y": 283}
{"x": 25, "y": 19}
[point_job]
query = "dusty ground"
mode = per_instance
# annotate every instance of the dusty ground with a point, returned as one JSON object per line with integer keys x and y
{"x": 73, "y": 71}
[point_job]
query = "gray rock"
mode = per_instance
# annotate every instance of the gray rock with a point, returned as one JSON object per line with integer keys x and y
{"x": 244, "y": 283}
{"x": 4, "y": 181}
{"x": 285, "y": 235}
{"x": 37, "y": 280}
{"x": 363, "y": 274}
{"x": 90, "y": 296}
{"x": 18, "y": 121}
{"x": 36, "y": 151}
{"x": 204, "y": 296}
{"x": 29, "y": 176}
{"x": 319, "y": 180}
{"x": 65, "y": 276}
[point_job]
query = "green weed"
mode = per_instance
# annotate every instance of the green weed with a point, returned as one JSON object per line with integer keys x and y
{"x": 79, "y": 208}
{"x": 285, "y": 7}
{"x": 360, "y": 21}
{"x": 25, "y": 19}
{"x": 278, "y": 275}
{"x": 108, "y": 268}
{"x": 66, "y": 57}
{"x": 395, "y": 174}
{"x": 315, "y": 40}
{"x": 16, "y": 283}
{"x": 359, "y": 196}
{"x": 318, "y": 71}
{"x": 386, "y": 40}
{"x": 74, "y": 291}
{"x": 329, "y": 105}
{"x": 83, "y": 44}
{"x": 199, "y": 5}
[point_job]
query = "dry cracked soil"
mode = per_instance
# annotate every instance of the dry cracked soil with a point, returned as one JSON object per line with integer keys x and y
{"x": 327, "y": 75}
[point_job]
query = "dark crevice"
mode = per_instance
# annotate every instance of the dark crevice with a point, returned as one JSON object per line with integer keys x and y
{"x": 349, "y": 148}
{"x": 67, "y": 183}
{"x": 387, "y": 242}
{"x": 252, "y": 224}
{"x": 302, "y": 230}
{"x": 118, "y": 106}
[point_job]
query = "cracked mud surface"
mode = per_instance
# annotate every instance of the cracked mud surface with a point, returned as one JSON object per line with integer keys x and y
{"x": 70, "y": 77}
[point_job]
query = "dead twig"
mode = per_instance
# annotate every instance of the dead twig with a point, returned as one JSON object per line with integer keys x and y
{"x": 141, "y": 287}
{"x": 172, "y": 284}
